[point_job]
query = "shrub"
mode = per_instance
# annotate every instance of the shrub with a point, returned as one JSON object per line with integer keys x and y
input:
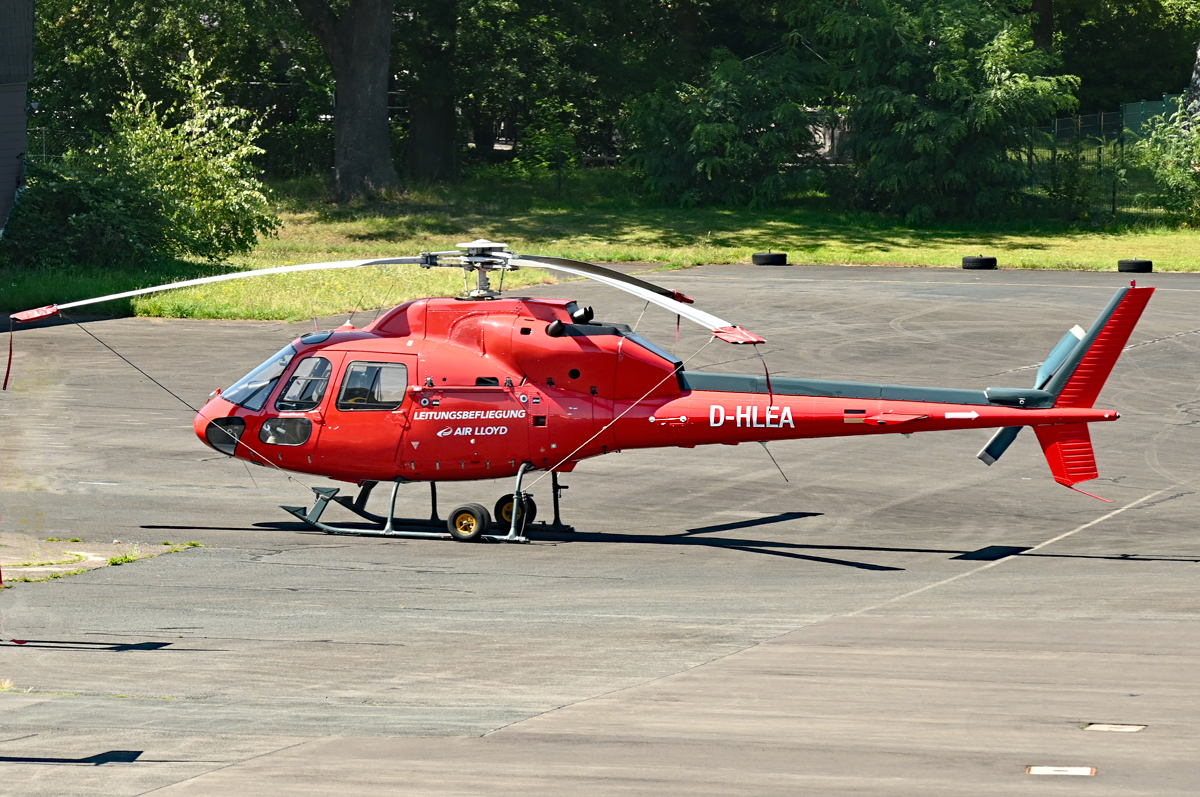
{"x": 740, "y": 137}
{"x": 165, "y": 183}
{"x": 1171, "y": 150}
{"x": 549, "y": 138}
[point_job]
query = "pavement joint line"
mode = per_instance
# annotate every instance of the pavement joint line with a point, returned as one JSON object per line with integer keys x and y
{"x": 229, "y": 764}
{"x": 989, "y": 565}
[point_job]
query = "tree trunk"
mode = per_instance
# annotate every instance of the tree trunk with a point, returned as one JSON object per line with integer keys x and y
{"x": 1193, "y": 93}
{"x": 1043, "y": 26}
{"x": 483, "y": 133}
{"x": 358, "y": 45}
{"x": 432, "y": 152}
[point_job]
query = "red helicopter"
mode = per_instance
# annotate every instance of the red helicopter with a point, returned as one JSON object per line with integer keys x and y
{"x": 487, "y": 386}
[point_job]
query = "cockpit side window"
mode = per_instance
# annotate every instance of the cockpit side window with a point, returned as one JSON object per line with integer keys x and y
{"x": 306, "y": 387}
{"x": 373, "y": 386}
{"x": 252, "y": 390}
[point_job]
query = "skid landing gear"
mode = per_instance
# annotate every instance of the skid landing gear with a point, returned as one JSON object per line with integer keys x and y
{"x": 464, "y": 528}
{"x": 390, "y": 526}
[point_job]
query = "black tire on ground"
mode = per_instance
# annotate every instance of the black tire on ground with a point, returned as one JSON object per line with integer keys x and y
{"x": 979, "y": 262}
{"x": 1135, "y": 266}
{"x": 468, "y": 522}
{"x": 503, "y": 511}
{"x": 769, "y": 258}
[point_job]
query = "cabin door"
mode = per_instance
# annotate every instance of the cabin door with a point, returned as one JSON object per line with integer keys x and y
{"x": 367, "y": 415}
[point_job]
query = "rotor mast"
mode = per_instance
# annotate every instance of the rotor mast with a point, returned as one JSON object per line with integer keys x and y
{"x": 482, "y": 257}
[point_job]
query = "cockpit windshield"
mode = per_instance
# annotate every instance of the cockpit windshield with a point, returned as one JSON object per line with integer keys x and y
{"x": 251, "y": 390}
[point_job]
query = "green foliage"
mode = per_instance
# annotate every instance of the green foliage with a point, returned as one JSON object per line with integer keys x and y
{"x": 89, "y": 50}
{"x": 126, "y": 558}
{"x": 1068, "y": 181}
{"x": 935, "y": 93}
{"x": 740, "y": 137}
{"x": 549, "y": 141}
{"x": 165, "y": 183}
{"x": 1171, "y": 150}
{"x": 299, "y": 149}
{"x": 1126, "y": 51}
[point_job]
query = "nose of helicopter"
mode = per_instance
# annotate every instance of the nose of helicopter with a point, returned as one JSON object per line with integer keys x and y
{"x": 217, "y": 427}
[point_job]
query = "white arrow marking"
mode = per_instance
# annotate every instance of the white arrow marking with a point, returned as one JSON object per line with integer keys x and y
{"x": 972, "y": 415}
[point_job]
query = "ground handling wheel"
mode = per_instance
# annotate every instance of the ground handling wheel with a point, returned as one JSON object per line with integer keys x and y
{"x": 504, "y": 509}
{"x": 468, "y": 522}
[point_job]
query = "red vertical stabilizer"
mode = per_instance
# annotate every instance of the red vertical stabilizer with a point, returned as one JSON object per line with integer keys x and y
{"x": 1089, "y": 376}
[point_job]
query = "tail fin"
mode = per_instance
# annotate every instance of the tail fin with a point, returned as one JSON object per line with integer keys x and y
{"x": 1075, "y": 372}
{"x": 1076, "y": 369}
{"x": 1077, "y": 382}
{"x": 1068, "y": 449}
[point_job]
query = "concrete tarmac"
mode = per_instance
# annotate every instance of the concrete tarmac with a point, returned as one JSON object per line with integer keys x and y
{"x": 895, "y": 619}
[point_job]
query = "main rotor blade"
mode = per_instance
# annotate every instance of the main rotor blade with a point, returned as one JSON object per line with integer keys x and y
{"x": 593, "y": 270}
{"x": 663, "y": 297}
{"x": 53, "y": 309}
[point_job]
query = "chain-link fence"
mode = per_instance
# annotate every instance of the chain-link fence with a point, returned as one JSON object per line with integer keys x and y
{"x": 1083, "y": 162}
{"x": 46, "y": 145}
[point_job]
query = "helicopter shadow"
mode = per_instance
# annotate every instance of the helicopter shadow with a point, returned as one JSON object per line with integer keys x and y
{"x": 702, "y": 536}
{"x": 693, "y": 537}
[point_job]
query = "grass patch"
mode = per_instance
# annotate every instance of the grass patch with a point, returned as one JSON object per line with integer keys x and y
{"x": 49, "y": 576}
{"x": 129, "y": 557}
{"x": 76, "y": 557}
{"x": 599, "y": 216}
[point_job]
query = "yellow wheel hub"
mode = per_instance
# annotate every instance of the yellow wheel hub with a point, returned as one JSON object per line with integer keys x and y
{"x": 465, "y": 523}
{"x": 506, "y": 513}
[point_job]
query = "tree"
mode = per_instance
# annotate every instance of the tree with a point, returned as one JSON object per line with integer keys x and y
{"x": 935, "y": 93}
{"x": 1126, "y": 51}
{"x": 742, "y": 135}
{"x": 1193, "y": 92}
{"x": 1043, "y": 25}
{"x": 90, "y": 51}
{"x": 431, "y": 31}
{"x": 358, "y": 44}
